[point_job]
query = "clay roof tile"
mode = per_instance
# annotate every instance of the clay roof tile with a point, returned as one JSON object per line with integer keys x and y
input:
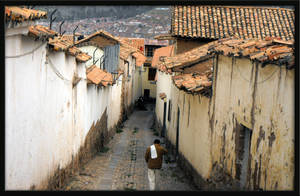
{"x": 19, "y": 14}
{"x": 245, "y": 22}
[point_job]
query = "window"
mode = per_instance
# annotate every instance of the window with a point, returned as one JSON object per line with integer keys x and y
{"x": 149, "y": 51}
{"x": 151, "y": 74}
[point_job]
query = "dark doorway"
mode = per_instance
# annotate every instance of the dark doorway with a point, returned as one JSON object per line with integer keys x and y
{"x": 164, "y": 120}
{"x": 146, "y": 93}
{"x": 169, "y": 111}
{"x": 243, "y": 143}
{"x": 177, "y": 133}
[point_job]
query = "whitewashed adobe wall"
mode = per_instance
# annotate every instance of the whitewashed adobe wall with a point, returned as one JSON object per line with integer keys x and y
{"x": 137, "y": 82}
{"x": 90, "y": 50}
{"x": 194, "y": 141}
{"x": 22, "y": 105}
{"x": 163, "y": 84}
{"x": 114, "y": 107}
{"x": 39, "y": 130}
{"x": 129, "y": 80}
{"x": 261, "y": 99}
{"x": 46, "y": 119}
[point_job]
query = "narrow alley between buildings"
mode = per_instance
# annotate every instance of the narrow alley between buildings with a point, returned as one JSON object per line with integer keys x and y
{"x": 121, "y": 165}
{"x": 82, "y": 108}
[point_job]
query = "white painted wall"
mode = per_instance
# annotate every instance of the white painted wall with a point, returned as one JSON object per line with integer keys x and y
{"x": 114, "y": 107}
{"x": 137, "y": 82}
{"x": 194, "y": 131}
{"x": 129, "y": 81}
{"x": 23, "y": 105}
{"x": 163, "y": 85}
{"x": 46, "y": 120}
{"x": 90, "y": 50}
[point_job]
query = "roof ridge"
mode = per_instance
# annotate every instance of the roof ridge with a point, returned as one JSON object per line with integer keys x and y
{"x": 261, "y": 7}
{"x": 239, "y": 6}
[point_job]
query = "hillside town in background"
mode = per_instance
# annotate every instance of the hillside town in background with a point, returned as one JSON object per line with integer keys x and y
{"x": 85, "y": 98}
{"x": 144, "y": 25}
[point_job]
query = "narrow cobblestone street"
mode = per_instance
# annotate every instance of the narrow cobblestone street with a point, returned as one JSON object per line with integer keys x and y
{"x": 121, "y": 165}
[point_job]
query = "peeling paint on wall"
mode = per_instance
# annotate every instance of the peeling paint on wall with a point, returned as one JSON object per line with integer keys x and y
{"x": 244, "y": 94}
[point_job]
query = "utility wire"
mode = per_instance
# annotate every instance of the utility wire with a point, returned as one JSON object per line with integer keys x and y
{"x": 260, "y": 82}
{"x": 62, "y": 77}
{"x": 57, "y": 72}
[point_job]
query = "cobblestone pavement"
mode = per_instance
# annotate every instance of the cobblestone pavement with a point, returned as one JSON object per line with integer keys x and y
{"x": 123, "y": 166}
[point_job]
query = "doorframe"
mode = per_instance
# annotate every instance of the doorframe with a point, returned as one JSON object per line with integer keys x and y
{"x": 177, "y": 133}
{"x": 243, "y": 137}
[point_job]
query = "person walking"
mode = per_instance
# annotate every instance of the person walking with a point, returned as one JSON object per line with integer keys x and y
{"x": 154, "y": 156}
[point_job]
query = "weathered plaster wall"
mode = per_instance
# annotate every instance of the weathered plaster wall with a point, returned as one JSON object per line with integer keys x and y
{"x": 137, "y": 82}
{"x": 90, "y": 50}
{"x": 114, "y": 109}
{"x": 261, "y": 99}
{"x": 210, "y": 130}
{"x": 22, "y": 104}
{"x": 51, "y": 124}
{"x": 129, "y": 82}
{"x": 194, "y": 132}
{"x": 183, "y": 45}
{"x": 127, "y": 91}
{"x": 163, "y": 86}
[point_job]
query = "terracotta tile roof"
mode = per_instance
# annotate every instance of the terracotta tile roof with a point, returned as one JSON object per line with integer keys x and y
{"x": 269, "y": 50}
{"x": 82, "y": 57}
{"x": 60, "y": 44}
{"x": 98, "y": 76}
{"x": 140, "y": 58}
{"x": 126, "y": 49}
{"x": 164, "y": 37}
{"x": 194, "y": 83}
{"x": 18, "y": 14}
{"x": 187, "y": 58}
{"x": 138, "y": 43}
{"x": 196, "y": 71}
{"x": 216, "y": 22}
{"x": 41, "y": 32}
{"x": 101, "y": 33}
{"x": 56, "y": 42}
{"x": 68, "y": 37}
{"x": 161, "y": 53}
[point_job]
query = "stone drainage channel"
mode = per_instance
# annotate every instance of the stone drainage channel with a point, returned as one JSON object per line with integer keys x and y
{"x": 123, "y": 166}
